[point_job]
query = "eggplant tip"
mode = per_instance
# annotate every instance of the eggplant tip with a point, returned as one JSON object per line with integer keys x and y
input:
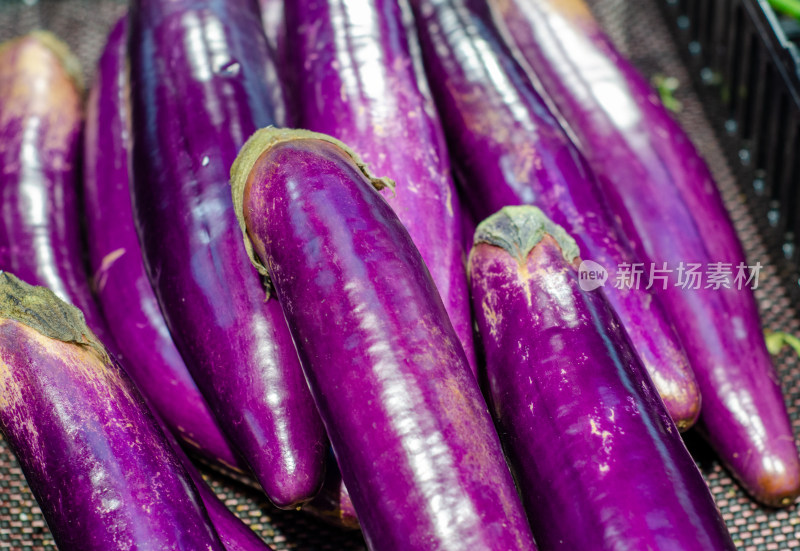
{"x": 254, "y": 149}
{"x": 779, "y": 488}
{"x": 57, "y": 47}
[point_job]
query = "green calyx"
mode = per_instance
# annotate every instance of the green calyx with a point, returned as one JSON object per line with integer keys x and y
{"x": 41, "y": 310}
{"x": 519, "y": 229}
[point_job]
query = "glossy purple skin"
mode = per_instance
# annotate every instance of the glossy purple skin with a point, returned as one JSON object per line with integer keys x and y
{"x": 409, "y": 427}
{"x": 57, "y": 262}
{"x": 510, "y": 150}
{"x": 40, "y": 127}
{"x": 663, "y": 193}
{"x": 234, "y": 534}
{"x": 599, "y": 462}
{"x": 355, "y": 79}
{"x": 70, "y": 418}
{"x": 199, "y": 72}
{"x": 121, "y": 284}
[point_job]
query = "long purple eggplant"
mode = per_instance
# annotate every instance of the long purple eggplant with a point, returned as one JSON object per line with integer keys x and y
{"x": 509, "y": 150}
{"x": 71, "y": 415}
{"x": 407, "y": 422}
{"x": 234, "y": 534}
{"x": 40, "y": 126}
{"x": 199, "y": 73}
{"x": 36, "y": 71}
{"x": 355, "y": 79}
{"x": 599, "y": 462}
{"x": 120, "y": 281}
{"x": 664, "y": 196}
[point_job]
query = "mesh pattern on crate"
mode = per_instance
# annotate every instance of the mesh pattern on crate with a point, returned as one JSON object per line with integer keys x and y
{"x": 638, "y": 30}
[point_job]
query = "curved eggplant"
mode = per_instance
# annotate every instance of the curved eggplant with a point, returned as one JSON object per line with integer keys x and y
{"x": 510, "y": 150}
{"x": 199, "y": 74}
{"x": 355, "y": 78}
{"x": 599, "y": 462}
{"x": 70, "y": 414}
{"x": 664, "y": 196}
{"x": 120, "y": 281}
{"x": 407, "y": 422}
{"x": 40, "y": 126}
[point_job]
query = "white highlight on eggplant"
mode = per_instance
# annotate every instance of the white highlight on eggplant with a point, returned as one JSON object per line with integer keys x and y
{"x": 557, "y": 287}
{"x": 275, "y": 397}
{"x": 362, "y": 67}
{"x": 421, "y": 438}
{"x": 36, "y": 209}
{"x": 601, "y": 80}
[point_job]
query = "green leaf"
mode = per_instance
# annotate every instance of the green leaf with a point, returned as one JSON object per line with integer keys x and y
{"x": 777, "y": 340}
{"x": 666, "y": 87}
{"x": 786, "y": 7}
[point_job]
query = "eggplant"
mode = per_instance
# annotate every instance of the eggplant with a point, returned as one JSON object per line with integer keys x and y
{"x": 665, "y": 198}
{"x": 37, "y": 65}
{"x": 199, "y": 83}
{"x": 406, "y": 419}
{"x": 40, "y": 126}
{"x": 599, "y": 462}
{"x": 234, "y": 534}
{"x": 121, "y": 284}
{"x": 357, "y": 77}
{"x": 70, "y": 414}
{"x": 509, "y": 150}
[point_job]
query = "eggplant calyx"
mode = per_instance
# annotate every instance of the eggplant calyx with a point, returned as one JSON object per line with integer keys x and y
{"x": 519, "y": 229}
{"x": 258, "y": 144}
{"x": 40, "y": 309}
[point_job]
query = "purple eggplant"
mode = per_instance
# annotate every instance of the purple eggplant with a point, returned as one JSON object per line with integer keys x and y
{"x": 234, "y": 534}
{"x": 120, "y": 281}
{"x": 199, "y": 74}
{"x": 509, "y": 150}
{"x": 70, "y": 414}
{"x": 57, "y": 262}
{"x": 662, "y": 192}
{"x": 40, "y": 126}
{"x": 407, "y": 422}
{"x": 355, "y": 78}
{"x": 599, "y": 462}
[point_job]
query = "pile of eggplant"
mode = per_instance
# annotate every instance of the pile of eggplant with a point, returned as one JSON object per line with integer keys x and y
{"x": 334, "y": 247}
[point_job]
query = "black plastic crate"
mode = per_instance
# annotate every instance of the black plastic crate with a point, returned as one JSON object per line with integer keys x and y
{"x": 746, "y": 70}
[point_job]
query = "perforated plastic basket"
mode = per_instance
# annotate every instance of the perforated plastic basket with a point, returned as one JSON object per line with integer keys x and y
{"x": 746, "y": 70}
